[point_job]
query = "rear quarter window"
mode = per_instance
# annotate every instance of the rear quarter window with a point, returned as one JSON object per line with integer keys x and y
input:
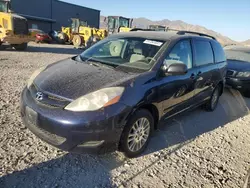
{"x": 219, "y": 53}
{"x": 203, "y": 52}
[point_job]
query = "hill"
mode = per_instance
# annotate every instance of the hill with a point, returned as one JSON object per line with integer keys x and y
{"x": 247, "y": 42}
{"x": 176, "y": 24}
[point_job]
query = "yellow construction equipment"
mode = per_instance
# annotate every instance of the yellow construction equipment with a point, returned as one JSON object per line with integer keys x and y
{"x": 116, "y": 24}
{"x": 157, "y": 27}
{"x": 13, "y": 28}
{"x": 80, "y": 33}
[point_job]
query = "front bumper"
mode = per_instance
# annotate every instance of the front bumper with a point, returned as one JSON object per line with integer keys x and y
{"x": 239, "y": 84}
{"x": 84, "y": 132}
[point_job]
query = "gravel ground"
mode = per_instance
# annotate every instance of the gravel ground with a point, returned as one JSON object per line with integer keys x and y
{"x": 196, "y": 149}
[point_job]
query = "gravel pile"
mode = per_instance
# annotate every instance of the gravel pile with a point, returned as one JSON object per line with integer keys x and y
{"x": 196, "y": 149}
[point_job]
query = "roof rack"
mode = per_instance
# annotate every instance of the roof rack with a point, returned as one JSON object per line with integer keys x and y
{"x": 140, "y": 29}
{"x": 195, "y": 33}
{"x": 179, "y": 32}
{"x": 183, "y": 32}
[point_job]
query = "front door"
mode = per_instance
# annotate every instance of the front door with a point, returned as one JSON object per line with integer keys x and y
{"x": 177, "y": 92}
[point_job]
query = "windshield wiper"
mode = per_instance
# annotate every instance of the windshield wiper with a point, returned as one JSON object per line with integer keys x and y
{"x": 98, "y": 63}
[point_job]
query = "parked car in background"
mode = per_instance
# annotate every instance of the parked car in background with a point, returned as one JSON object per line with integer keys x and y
{"x": 40, "y": 36}
{"x": 113, "y": 95}
{"x": 43, "y": 37}
{"x": 238, "y": 73}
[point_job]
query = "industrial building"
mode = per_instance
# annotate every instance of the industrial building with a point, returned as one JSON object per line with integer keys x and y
{"x": 50, "y": 15}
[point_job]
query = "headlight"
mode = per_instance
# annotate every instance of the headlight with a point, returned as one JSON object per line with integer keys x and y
{"x": 34, "y": 75}
{"x": 243, "y": 74}
{"x": 96, "y": 100}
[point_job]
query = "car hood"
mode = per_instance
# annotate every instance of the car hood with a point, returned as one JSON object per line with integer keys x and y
{"x": 238, "y": 65}
{"x": 71, "y": 79}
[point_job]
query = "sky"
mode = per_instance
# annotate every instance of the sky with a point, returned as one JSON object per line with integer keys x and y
{"x": 228, "y": 17}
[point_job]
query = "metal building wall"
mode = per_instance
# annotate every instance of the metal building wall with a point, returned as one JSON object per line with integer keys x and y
{"x": 39, "y": 8}
{"x": 62, "y": 12}
{"x": 35, "y": 8}
{"x": 53, "y": 14}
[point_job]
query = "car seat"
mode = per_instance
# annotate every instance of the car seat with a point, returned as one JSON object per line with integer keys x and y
{"x": 137, "y": 54}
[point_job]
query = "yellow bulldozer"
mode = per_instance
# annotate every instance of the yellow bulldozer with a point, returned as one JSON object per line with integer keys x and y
{"x": 80, "y": 33}
{"x": 13, "y": 28}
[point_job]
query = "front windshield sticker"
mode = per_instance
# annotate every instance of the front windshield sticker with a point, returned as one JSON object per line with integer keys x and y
{"x": 152, "y": 42}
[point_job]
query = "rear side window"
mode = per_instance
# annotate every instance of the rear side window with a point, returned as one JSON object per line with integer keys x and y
{"x": 219, "y": 53}
{"x": 203, "y": 53}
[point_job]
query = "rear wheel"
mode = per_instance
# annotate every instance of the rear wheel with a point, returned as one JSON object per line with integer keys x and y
{"x": 136, "y": 134}
{"x": 20, "y": 47}
{"x": 77, "y": 41}
{"x": 214, "y": 99}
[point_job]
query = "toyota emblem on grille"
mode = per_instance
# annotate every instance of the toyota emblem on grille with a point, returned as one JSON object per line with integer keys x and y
{"x": 39, "y": 96}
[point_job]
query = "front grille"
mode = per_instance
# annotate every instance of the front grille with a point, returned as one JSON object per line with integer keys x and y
{"x": 231, "y": 73}
{"x": 20, "y": 26}
{"x": 48, "y": 99}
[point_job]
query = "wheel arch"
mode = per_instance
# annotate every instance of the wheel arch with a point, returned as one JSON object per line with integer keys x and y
{"x": 152, "y": 109}
{"x": 221, "y": 84}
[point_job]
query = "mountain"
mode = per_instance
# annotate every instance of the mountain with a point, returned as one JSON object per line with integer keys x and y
{"x": 176, "y": 24}
{"x": 247, "y": 42}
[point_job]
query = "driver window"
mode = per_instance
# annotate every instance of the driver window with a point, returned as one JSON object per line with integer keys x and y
{"x": 181, "y": 53}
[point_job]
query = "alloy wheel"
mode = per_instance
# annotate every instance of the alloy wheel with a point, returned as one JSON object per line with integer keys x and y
{"x": 138, "y": 134}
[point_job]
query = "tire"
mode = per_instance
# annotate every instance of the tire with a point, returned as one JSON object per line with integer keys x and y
{"x": 145, "y": 118}
{"x": 211, "y": 105}
{"x": 20, "y": 47}
{"x": 62, "y": 38}
{"x": 77, "y": 41}
{"x": 246, "y": 93}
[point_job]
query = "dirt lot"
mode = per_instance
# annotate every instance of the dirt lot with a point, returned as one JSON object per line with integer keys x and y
{"x": 196, "y": 149}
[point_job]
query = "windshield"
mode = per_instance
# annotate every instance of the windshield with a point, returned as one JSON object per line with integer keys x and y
{"x": 132, "y": 53}
{"x": 111, "y": 22}
{"x": 123, "y": 22}
{"x": 3, "y": 7}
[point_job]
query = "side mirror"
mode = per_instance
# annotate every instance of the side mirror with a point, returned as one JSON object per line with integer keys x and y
{"x": 174, "y": 67}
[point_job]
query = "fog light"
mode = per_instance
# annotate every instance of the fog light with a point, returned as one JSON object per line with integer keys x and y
{"x": 91, "y": 144}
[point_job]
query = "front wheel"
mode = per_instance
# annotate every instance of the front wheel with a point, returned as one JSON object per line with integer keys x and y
{"x": 77, "y": 41}
{"x": 136, "y": 134}
{"x": 214, "y": 99}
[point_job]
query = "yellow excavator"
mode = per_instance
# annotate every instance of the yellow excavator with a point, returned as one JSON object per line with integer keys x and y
{"x": 80, "y": 33}
{"x": 13, "y": 28}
